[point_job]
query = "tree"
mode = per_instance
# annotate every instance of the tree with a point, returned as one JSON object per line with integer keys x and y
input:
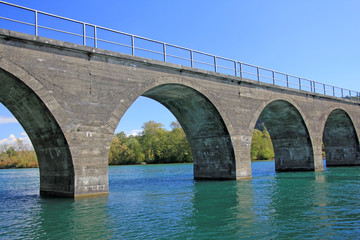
{"x": 121, "y": 136}
{"x": 11, "y": 152}
{"x": 135, "y": 150}
{"x": 180, "y": 148}
{"x": 153, "y": 137}
{"x": 261, "y": 145}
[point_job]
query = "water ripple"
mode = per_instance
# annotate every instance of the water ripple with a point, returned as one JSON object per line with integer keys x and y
{"x": 164, "y": 202}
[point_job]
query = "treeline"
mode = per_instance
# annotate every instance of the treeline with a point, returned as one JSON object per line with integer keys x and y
{"x": 158, "y": 145}
{"x": 155, "y": 144}
{"x": 17, "y": 157}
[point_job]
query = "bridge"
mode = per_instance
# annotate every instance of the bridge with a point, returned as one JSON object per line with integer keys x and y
{"x": 70, "y": 97}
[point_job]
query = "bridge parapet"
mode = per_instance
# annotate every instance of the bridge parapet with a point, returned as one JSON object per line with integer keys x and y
{"x": 87, "y": 34}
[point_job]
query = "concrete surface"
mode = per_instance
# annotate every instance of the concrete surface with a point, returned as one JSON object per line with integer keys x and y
{"x": 70, "y": 98}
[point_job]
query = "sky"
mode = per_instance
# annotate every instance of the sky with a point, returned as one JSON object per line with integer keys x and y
{"x": 313, "y": 39}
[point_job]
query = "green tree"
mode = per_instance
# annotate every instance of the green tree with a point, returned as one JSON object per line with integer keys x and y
{"x": 261, "y": 145}
{"x": 153, "y": 141}
{"x": 125, "y": 151}
{"x": 135, "y": 150}
{"x": 11, "y": 152}
{"x": 121, "y": 136}
{"x": 180, "y": 148}
{"x": 116, "y": 151}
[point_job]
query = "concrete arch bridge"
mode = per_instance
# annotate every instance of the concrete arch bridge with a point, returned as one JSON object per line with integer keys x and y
{"x": 70, "y": 98}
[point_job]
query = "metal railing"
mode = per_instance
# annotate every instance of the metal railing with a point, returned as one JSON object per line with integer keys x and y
{"x": 49, "y": 25}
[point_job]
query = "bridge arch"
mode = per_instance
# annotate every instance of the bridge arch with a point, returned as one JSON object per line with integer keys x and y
{"x": 290, "y": 136}
{"x": 51, "y": 147}
{"x": 340, "y": 139}
{"x": 203, "y": 125}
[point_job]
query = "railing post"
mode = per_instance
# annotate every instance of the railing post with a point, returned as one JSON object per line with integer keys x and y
{"x": 36, "y": 24}
{"x": 235, "y": 65}
{"x": 314, "y": 86}
{"x": 287, "y": 80}
{"x": 273, "y": 75}
{"x": 132, "y": 45}
{"x": 299, "y": 83}
{"x": 333, "y": 91}
{"x": 342, "y": 93}
{"x": 215, "y": 64}
{"x": 241, "y": 72}
{"x": 84, "y": 34}
{"x": 192, "y": 58}
{"x": 324, "y": 89}
{"x": 311, "y": 86}
{"x": 258, "y": 73}
{"x": 95, "y": 37}
{"x": 164, "y": 47}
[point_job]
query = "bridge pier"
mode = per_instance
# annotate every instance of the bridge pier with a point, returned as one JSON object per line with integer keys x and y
{"x": 318, "y": 154}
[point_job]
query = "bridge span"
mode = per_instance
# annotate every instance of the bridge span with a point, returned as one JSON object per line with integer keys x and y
{"x": 70, "y": 98}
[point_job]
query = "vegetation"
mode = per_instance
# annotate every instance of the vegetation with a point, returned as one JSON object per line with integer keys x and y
{"x": 17, "y": 157}
{"x": 261, "y": 145}
{"x": 154, "y": 145}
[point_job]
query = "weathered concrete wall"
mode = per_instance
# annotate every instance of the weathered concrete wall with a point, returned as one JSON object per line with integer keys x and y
{"x": 290, "y": 137}
{"x": 340, "y": 141}
{"x": 83, "y": 93}
{"x": 206, "y": 132}
{"x": 51, "y": 148}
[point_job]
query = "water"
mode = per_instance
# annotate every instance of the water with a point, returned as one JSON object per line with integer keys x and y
{"x": 164, "y": 202}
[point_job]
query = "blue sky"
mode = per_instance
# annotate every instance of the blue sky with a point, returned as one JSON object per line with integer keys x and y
{"x": 314, "y": 39}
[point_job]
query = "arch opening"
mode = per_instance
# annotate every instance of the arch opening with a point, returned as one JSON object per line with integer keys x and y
{"x": 52, "y": 150}
{"x": 341, "y": 143}
{"x": 290, "y": 137}
{"x": 149, "y": 133}
{"x": 261, "y": 145}
{"x": 16, "y": 150}
{"x": 207, "y": 134}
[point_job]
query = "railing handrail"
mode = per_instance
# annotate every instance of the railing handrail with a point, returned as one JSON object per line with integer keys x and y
{"x": 237, "y": 69}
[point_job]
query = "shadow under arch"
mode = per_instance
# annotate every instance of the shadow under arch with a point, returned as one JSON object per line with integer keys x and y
{"x": 340, "y": 140}
{"x": 289, "y": 135}
{"x": 204, "y": 127}
{"x": 52, "y": 150}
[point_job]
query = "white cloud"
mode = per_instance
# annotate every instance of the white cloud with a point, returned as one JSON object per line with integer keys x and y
{"x": 134, "y": 133}
{"x": 8, "y": 141}
{"x": 4, "y": 120}
{"x": 12, "y": 141}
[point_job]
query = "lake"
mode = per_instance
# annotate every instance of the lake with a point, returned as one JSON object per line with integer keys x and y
{"x": 164, "y": 202}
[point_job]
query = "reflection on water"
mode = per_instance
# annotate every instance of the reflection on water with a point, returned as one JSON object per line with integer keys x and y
{"x": 84, "y": 217}
{"x": 164, "y": 202}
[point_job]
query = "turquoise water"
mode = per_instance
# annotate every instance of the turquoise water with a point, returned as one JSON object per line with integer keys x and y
{"x": 164, "y": 202}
